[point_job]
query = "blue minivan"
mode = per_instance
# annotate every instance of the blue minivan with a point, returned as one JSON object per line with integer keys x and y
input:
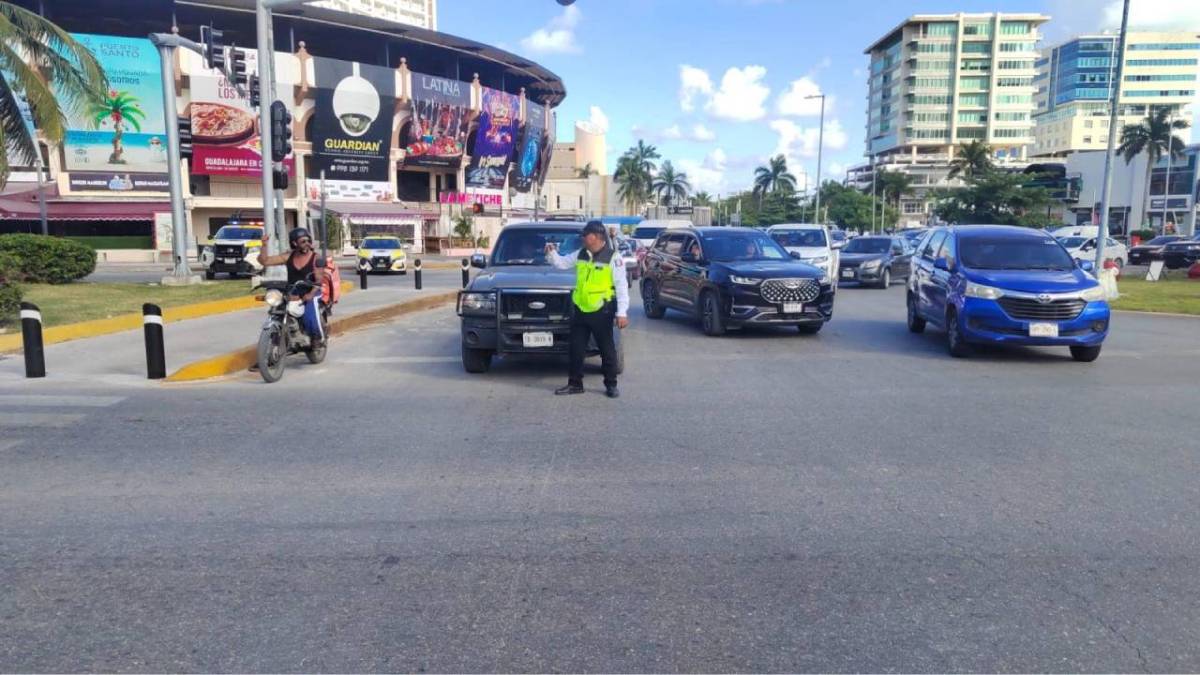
{"x": 998, "y": 284}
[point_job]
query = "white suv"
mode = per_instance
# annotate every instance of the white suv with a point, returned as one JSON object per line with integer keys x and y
{"x": 811, "y": 242}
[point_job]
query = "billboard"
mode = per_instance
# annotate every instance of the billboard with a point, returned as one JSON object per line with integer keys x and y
{"x": 226, "y": 138}
{"x": 118, "y": 142}
{"x": 529, "y": 152}
{"x": 494, "y": 140}
{"x": 352, "y": 130}
{"x": 436, "y": 136}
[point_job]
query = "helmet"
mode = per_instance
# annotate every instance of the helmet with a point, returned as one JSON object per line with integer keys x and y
{"x": 298, "y": 234}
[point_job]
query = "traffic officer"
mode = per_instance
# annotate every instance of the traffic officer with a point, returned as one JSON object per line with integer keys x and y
{"x": 601, "y": 296}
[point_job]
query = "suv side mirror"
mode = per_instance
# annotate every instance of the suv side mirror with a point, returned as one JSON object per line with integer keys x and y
{"x": 941, "y": 264}
{"x": 795, "y": 254}
{"x": 479, "y": 261}
{"x": 1086, "y": 265}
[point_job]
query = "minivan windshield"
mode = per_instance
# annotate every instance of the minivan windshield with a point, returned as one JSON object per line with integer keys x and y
{"x": 800, "y": 238}
{"x": 869, "y": 245}
{"x": 239, "y": 233}
{"x": 647, "y": 232}
{"x": 742, "y": 246}
{"x": 1013, "y": 253}
{"x": 528, "y": 246}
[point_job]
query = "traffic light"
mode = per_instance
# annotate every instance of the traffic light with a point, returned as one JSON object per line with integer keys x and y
{"x": 255, "y": 92}
{"x": 185, "y": 137}
{"x": 237, "y": 66}
{"x": 214, "y": 48}
{"x": 279, "y": 178}
{"x": 281, "y": 131}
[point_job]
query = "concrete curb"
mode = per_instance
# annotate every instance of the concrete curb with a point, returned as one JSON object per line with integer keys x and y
{"x": 117, "y": 324}
{"x": 241, "y": 359}
{"x": 1142, "y": 312}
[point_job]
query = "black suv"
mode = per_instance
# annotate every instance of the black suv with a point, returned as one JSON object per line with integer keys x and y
{"x": 520, "y": 304}
{"x": 731, "y": 277}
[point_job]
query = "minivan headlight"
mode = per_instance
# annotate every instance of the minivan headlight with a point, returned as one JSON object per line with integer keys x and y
{"x": 477, "y": 303}
{"x": 1094, "y": 294}
{"x": 975, "y": 290}
{"x": 745, "y": 281}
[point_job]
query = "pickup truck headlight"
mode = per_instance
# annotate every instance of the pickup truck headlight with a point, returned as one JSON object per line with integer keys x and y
{"x": 479, "y": 304}
{"x": 745, "y": 281}
{"x": 1094, "y": 294}
{"x": 975, "y": 290}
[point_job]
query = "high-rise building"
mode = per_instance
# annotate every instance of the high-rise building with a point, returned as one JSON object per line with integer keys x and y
{"x": 1075, "y": 81}
{"x": 421, "y": 13}
{"x": 940, "y": 80}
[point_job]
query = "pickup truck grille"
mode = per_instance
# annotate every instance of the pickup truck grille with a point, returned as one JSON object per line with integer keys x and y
{"x": 229, "y": 251}
{"x": 790, "y": 290}
{"x": 535, "y": 306}
{"x": 1032, "y": 310}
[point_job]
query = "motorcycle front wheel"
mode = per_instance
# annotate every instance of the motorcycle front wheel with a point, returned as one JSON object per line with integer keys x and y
{"x": 272, "y": 350}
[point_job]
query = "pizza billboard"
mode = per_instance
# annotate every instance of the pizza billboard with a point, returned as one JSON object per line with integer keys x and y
{"x": 225, "y": 129}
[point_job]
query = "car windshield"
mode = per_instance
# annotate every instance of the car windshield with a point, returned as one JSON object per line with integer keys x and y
{"x": 1073, "y": 242}
{"x": 868, "y": 245}
{"x": 742, "y": 246}
{"x": 381, "y": 243}
{"x": 1013, "y": 253}
{"x": 1160, "y": 241}
{"x": 239, "y": 233}
{"x": 528, "y": 246}
{"x": 809, "y": 238}
{"x": 838, "y": 235}
{"x": 647, "y": 232}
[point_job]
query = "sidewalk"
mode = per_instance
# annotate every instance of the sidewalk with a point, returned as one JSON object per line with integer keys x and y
{"x": 121, "y": 357}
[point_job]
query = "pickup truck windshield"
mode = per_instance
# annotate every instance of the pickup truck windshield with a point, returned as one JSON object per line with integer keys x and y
{"x": 239, "y": 233}
{"x": 528, "y": 246}
{"x": 1025, "y": 253}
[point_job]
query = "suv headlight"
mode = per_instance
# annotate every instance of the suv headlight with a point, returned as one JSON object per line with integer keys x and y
{"x": 1094, "y": 294}
{"x": 273, "y": 297}
{"x": 477, "y": 303}
{"x": 744, "y": 281}
{"x": 975, "y": 290}
{"x": 872, "y": 264}
{"x": 817, "y": 261}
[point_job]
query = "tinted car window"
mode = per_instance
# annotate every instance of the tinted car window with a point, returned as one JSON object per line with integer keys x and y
{"x": 1014, "y": 253}
{"x": 647, "y": 232}
{"x": 674, "y": 244}
{"x": 868, "y": 245}
{"x": 742, "y": 246}
{"x": 932, "y": 245}
{"x": 949, "y": 251}
{"x": 1159, "y": 241}
{"x": 811, "y": 238}
{"x": 527, "y": 247}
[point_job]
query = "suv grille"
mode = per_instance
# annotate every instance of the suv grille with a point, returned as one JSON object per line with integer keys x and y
{"x": 1032, "y": 310}
{"x": 790, "y": 290}
{"x": 518, "y": 306}
{"x": 228, "y": 251}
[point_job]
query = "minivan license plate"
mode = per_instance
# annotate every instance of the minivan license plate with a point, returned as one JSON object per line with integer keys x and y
{"x": 848, "y": 273}
{"x": 535, "y": 340}
{"x": 793, "y": 308}
{"x": 1043, "y": 330}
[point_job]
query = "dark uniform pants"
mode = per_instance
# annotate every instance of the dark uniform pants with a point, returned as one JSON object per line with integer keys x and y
{"x": 600, "y": 325}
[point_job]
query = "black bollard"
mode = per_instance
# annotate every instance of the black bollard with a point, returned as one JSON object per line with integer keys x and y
{"x": 31, "y": 335}
{"x": 466, "y": 271}
{"x": 156, "y": 357}
{"x": 417, "y": 274}
{"x": 362, "y": 278}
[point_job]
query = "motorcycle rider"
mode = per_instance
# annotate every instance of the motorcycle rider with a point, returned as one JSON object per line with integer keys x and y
{"x": 301, "y": 264}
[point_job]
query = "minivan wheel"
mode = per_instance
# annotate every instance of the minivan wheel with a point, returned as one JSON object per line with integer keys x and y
{"x": 710, "y": 315}
{"x": 915, "y": 323}
{"x": 954, "y": 338}
{"x": 650, "y": 304}
{"x": 1085, "y": 354}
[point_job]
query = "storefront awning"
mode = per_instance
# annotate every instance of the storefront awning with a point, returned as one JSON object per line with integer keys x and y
{"x": 20, "y": 202}
{"x": 373, "y": 213}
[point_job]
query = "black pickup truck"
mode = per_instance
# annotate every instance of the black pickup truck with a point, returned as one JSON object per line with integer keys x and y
{"x": 519, "y": 304}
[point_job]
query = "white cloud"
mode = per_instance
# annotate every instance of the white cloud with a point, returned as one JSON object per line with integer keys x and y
{"x": 703, "y": 134}
{"x": 708, "y": 174}
{"x": 697, "y": 133}
{"x": 558, "y": 36}
{"x": 794, "y": 102}
{"x": 1163, "y": 15}
{"x": 693, "y": 82}
{"x": 597, "y": 118}
{"x": 672, "y": 132}
{"x": 797, "y": 143}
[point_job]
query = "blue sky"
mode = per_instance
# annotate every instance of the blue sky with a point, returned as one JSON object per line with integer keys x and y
{"x": 719, "y": 85}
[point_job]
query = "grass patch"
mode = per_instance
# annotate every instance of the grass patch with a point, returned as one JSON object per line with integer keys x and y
{"x": 1178, "y": 295}
{"x": 80, "y": 301}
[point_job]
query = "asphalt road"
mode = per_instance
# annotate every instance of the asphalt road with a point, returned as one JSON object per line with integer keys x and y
{"x": 854, "y": 501}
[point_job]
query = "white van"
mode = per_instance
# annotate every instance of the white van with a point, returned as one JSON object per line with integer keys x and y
{"x": 647, "y": 231}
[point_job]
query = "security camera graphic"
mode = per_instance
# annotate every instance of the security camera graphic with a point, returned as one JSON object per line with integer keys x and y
{"x": 355, "y": 103}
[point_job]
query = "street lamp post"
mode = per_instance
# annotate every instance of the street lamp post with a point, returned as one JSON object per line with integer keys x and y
{"x": 1170, "y": 160}
{"x": 1110, "y": 156}
{"x": 820, "y": 148}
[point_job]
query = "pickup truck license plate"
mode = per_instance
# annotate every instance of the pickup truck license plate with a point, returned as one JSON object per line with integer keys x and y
{"x": 793, "y": 308}
{"x": 229, "y": 261}
{"x": 536, "y": 340}
{"x": 1043, "y": 330}
{"x": 848, "y": 273}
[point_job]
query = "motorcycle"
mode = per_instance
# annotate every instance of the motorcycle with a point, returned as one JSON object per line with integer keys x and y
{"x": 283, "y": 334}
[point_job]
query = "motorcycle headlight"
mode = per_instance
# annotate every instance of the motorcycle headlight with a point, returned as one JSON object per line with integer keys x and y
{"x": 273, "y": 297}
{"x": 745, "y": 281}
{"x": 1094, "y": 294}
{"x": 872, "y": 264}
{"x": 477, "y": 303}
{"x": 295, "y": 308}
{"x": 975, "y": 290}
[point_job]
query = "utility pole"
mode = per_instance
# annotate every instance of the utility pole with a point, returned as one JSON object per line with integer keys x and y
{"x": 873, "y": 170}
{"x": 1170, "y": 158}
{"x": 820, "y": 149}
{"x": 1110, "y": 156}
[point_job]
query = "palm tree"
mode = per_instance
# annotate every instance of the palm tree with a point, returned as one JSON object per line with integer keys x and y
{"x": 634, "y": 174}
{"x": 702, "y": 198}
{"x": 1155, "y": 136}
{"x": 586, "y": 172}
{"x": 671, "y": 184}
{"x": 774, "y": 177}
{"x": 894, "y": 185}
{"x": 119, "y": 107}
{"x": 33, "y": 53}
{"x": 971, "y": 159}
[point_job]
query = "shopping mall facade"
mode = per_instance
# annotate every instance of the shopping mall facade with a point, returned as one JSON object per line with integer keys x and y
{"x": 409, "y": 127}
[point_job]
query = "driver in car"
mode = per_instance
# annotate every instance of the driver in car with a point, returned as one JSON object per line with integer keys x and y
{"x": 301, "y": 264}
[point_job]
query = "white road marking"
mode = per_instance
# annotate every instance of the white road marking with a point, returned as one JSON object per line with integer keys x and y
{"x": 54, "y": 420}
{"x": 399, "y": 359}
{"x": 61, "y": 401}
